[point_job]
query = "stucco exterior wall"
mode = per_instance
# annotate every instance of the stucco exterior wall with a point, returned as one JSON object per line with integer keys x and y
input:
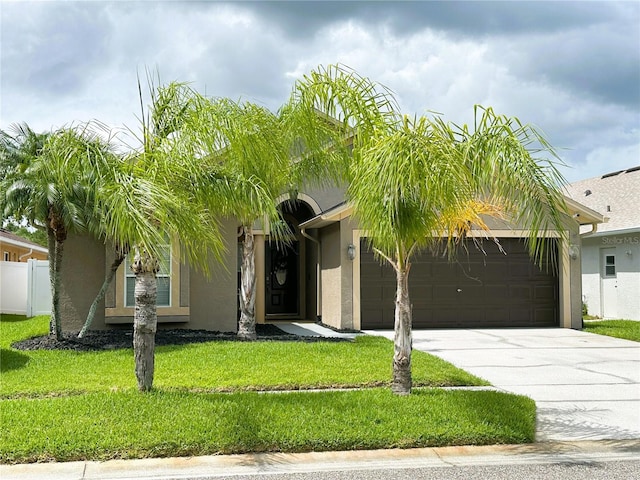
{"x": 574, "y": 278}
{"x": 626, "y": 248}
{"x": 311, "y": 278}
{"x": 331, "y": 276}
{"x": 346, "y": 274}
{"x": 590, "y": 259}
{"x": 326, "y": 197}
{"x": 213, "y": 299}
{"x": 82, "y": 274}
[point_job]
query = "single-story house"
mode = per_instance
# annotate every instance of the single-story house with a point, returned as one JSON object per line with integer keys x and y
{"x": 611, "y": 251}
{"x": 15, "y": 248}
{"x": 328, "y": 274}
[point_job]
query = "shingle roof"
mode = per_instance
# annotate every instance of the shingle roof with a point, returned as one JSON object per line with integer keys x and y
{"x": 616, "y": 195}
{"x": 14, "y": 239}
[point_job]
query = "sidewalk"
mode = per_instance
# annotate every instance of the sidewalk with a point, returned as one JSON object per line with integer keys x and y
{"x": 289, "y": 463}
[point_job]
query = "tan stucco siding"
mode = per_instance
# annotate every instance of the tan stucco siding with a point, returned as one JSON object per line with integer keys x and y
{"x": 325, "y": 197}
{"x": 82, "y": 274}
{"x": 213, "y": 300}
{"x": 575, "y": 279}
{"x": 311, "y": 279}
{"x": 347, "y": 226}
{"x": 331, "y": 276}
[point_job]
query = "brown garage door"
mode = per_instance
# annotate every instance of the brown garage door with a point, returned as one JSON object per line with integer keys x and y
{"x": 478, "y": 290}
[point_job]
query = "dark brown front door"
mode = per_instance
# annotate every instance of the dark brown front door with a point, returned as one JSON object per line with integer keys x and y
{"x": 492, "y": 290}
{"x": 282, "y": 282}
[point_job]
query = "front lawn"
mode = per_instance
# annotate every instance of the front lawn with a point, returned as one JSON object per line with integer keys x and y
{"x": 213, "y": 366}
{"x": 626, "y": 329}
{"x": 64, "y": 405}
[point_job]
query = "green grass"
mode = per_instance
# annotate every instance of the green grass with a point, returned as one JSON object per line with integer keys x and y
{"x": 62, "y": 405}
{"x": 626, "y": 329}
{"x": 213, "y": 366}
{"x": 132, "y": 425}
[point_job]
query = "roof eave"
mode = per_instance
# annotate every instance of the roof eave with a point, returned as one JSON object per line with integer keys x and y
{"x": 330, "y": 216}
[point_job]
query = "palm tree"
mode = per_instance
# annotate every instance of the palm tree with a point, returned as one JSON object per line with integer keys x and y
{"x": 269, "y": 154}
{"x": 419, "y": 183}
{"x": 153, "y": 201}
{"x": 246, "y": 139}
{"x": 50, "y": 180}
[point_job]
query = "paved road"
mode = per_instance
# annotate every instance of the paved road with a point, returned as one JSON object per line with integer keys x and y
{"x": 629, "y": 470}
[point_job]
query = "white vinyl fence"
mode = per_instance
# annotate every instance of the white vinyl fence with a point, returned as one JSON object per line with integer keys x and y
{"x": 25, "y": 288}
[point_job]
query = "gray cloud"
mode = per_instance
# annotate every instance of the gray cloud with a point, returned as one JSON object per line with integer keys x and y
{"x": 53, "y": 50}
{"x": 590, "y": 47}
{"x": 300, "y": 19}
{"x": 571, "y": 68}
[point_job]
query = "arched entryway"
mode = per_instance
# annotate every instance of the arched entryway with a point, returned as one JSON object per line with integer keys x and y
{"x": 286, "y": 267}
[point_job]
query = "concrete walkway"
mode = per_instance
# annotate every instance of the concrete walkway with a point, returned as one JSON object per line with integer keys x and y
{"x": 586, "y": 386}
{"x": 312, "y": 330}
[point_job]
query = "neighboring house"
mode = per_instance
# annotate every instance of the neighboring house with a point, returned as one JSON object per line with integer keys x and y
{"x": 328, "y": 274}
{"x": 14, "y": 248}
{"x": 611, "y": 252}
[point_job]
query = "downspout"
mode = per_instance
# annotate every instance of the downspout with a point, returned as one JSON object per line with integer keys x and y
{"x": 318, "y": 274}
{"x": 594, "y": 229}
{"x": 25, "y": 255}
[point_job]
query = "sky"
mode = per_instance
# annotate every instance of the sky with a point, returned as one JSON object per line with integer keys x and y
{"x": 572, "y": 69}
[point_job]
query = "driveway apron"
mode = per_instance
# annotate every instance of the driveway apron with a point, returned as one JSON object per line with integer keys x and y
{"x": 586, "y": 386}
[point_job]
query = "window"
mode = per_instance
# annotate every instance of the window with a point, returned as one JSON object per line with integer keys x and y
{"x": 610, "y": 266}
{"x": 163, "y": 276}
{"x": 6, "y": 257}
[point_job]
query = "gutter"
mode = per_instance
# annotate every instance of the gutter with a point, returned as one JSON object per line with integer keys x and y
{"x": 621, "y": 231}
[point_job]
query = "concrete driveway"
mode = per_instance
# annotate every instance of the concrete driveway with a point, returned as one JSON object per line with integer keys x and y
{"x": 586, "y": 386}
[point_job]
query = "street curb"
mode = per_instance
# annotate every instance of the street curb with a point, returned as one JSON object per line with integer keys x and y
{"x": 260, "y": 463}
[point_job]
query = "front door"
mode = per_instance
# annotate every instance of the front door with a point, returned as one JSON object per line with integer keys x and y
{"x": 608, "y": 283}
{"x": 282, "y": 294}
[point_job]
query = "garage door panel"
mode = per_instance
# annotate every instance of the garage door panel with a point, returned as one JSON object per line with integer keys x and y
{"x": 519, "y": 269}
{"x": 492, "y": 270}
{"x": 497, "y": 316}
{"x": 372, "y": 292}
{"x": 444, "y": 294}
{"x": 519, "y": 293}
{"x": 421, "y": 295}
{"x": 495, "y": 290}
{"x": 457, "y": 317}
{"x": 377, "y": 318}
{"x": 545, "y": 292}
{"x": 499, "y": 293}
{"x": 543, "y": 316}
{"x": 371, "y": 270}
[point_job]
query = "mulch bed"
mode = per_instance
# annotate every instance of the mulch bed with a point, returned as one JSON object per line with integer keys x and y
{"x": 119, "y": 339}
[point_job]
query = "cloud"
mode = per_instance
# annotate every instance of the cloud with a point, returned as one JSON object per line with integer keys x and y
{"x": 466, "y": 18}
{"x": 571, "y": 68}
{"x": 42, "y": 49}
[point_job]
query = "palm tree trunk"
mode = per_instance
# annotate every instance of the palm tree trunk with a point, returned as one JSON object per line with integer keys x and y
{"x": 145, "y": 318}
{"x": 120, "y": 256}
{"x": 56, "y": 235}
{"x": 55, "y": 327}
{"x": 401, "y": 384}
{"x": 247, "y": 323}
{"x": 51, "y": 241}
